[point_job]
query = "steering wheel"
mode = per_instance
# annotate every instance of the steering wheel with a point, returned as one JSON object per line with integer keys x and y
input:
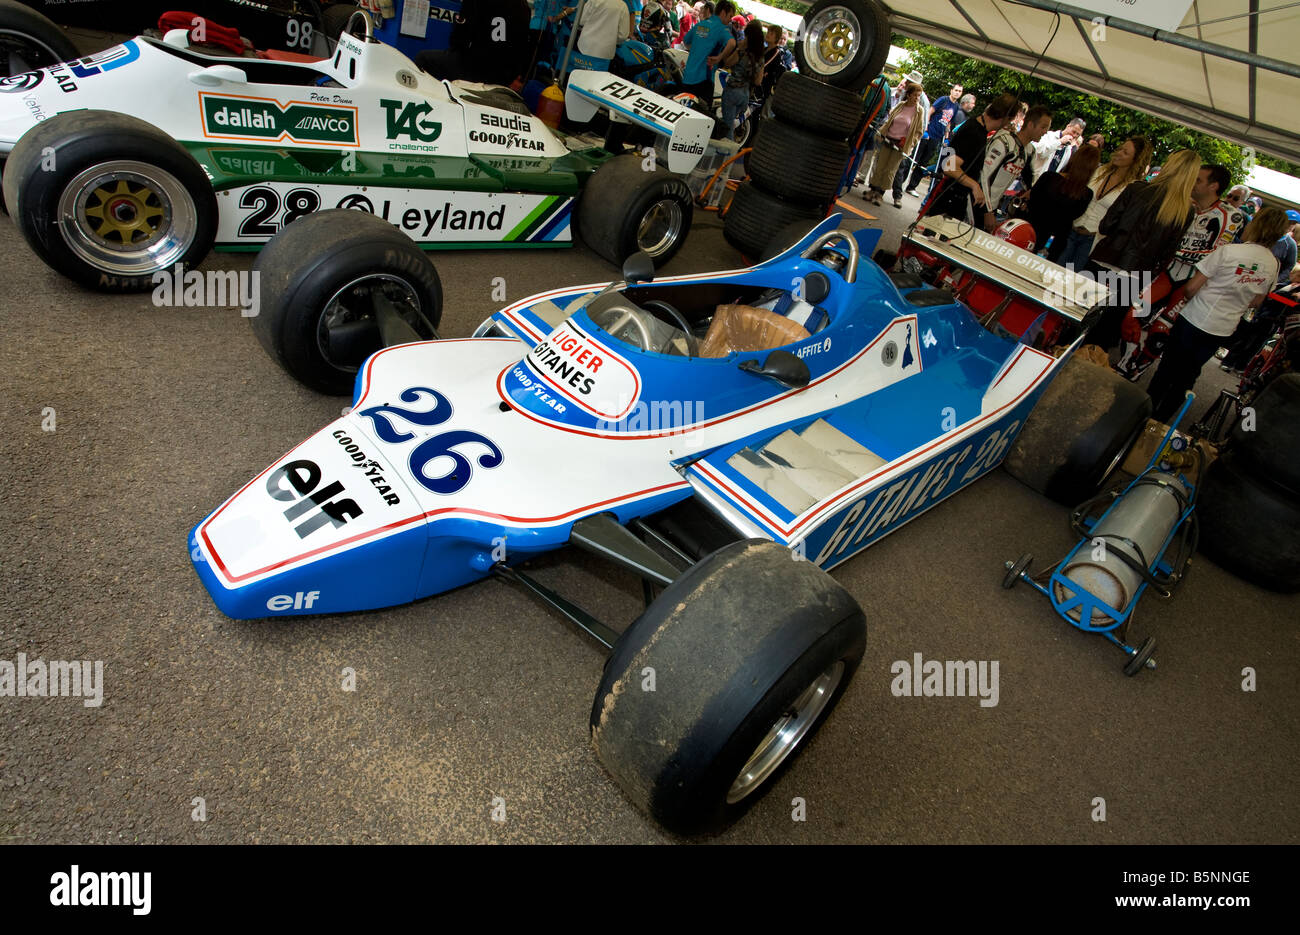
{"x": 617, "y": 317}
{"x": 692, "y": 343}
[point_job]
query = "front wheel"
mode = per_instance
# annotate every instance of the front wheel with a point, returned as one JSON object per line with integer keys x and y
{"x": 627, "y": 207}
{"x": 1079, "y": 432}
{"x": 710, "y": 694}
{"x": 337, "y": 286}
{"x": 109, "y": 200}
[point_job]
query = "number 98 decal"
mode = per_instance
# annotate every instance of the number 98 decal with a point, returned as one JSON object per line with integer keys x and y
{"x": 298, "y": 34}
{"x": 267, "y": 218}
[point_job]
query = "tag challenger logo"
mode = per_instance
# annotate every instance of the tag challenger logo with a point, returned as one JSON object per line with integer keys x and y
{"x": 265, "y": 119}
{"x": 408, "y": 119}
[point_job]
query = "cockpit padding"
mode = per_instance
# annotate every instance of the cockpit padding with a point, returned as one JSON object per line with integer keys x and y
{"x": 745, "y": 329}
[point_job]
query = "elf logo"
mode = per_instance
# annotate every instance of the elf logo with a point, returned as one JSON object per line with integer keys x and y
{"x": 266, "y": 119}
{"x": 300, "y": 481}
{"x": 295, "y": 601}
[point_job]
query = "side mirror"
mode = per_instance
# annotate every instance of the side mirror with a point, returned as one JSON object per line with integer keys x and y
{"x": 782, "y": 366}
{"x": 216, "y": 75}
{"x": 639, "y": 267}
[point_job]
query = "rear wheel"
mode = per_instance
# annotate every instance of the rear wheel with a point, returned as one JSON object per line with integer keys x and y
{"x": 1084, "y": 423}
{"x": 749, "y": 651}
{"x": 337, "y": 286}
{"x": 28, "y": 43}
{"x": 109, "y": 200}
{"x": 625, "y": 208}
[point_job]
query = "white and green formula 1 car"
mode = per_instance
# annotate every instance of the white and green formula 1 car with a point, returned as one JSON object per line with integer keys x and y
{"x": 127, "y": 162}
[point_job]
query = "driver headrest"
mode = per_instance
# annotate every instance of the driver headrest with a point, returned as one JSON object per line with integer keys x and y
{"x": 744, "y": 328}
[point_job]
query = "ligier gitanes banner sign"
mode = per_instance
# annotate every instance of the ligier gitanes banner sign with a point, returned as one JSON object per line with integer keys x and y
{"x": 1158, "y": 14}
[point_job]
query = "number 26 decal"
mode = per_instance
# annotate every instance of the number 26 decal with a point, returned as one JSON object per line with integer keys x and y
{"x": 435, "y": 447}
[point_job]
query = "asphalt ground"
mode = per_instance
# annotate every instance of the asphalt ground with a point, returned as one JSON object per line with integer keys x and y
{"x": 480, "y": 698}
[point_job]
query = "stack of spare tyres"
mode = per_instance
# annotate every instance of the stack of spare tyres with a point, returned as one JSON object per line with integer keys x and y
{"x": 798, "y": 162}
{"x": 1249, "y": 503}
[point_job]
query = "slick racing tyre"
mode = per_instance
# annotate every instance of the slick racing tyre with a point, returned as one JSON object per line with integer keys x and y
{"x": 108, "y": 200}
{"x": 336, "y": 286}
{"x": 754, "y": 217}
{"x": 1269, "y": 439}
{"x": 749, "y": 649}
{"x": 797, "y": 164}
{"x": 1249, "y": 527}
{"x": 843, "y": 42}
{"x": 625, "y": 208}
{"x": 1084, "y": 423}
{"x": 28, "y": 43}
{"x": 821, "y": 108}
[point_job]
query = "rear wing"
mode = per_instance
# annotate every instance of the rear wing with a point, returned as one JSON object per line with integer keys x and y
{"x": 687, "y": 130}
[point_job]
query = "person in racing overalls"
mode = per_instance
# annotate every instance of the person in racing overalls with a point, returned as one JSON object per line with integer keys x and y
{"x": 1215, "y": 223}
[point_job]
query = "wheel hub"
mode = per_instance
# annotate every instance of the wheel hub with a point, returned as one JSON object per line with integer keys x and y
{"x": 835, "y": 41}
{"x": 128, "y": 217}
{"x": 660, "y": 227}
{"x": 349, "y": 331}
{"x": 786, "y": 734}
{"x": 833, "y": 38}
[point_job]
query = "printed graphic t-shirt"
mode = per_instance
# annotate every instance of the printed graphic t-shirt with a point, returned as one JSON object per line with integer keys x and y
{"x": 1235, "y": 274}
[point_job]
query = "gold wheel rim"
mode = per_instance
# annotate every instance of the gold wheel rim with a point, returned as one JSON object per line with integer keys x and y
{"x": 124, "y": 213}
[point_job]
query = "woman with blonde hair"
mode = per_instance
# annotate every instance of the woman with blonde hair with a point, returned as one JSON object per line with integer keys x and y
{"x": 899, "y": 133}
{"x": 1127, "y": 164}
{"x": 1140, "y": 234}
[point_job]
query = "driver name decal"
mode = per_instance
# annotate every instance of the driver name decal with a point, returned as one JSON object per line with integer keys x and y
{"x": 265, "y": 119}
{"x": 586, "y": 372}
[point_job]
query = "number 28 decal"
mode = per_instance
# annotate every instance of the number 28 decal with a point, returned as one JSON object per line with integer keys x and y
{"x": 435, "y": 447}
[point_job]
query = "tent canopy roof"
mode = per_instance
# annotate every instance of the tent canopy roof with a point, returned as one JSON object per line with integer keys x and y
{"x": 1250, "y": 104}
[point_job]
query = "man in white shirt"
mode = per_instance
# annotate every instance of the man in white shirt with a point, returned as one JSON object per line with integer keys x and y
{"x": 1054, "y": 149}
{"x": 1232, "y": 279}
{"x": 604, "y": 24}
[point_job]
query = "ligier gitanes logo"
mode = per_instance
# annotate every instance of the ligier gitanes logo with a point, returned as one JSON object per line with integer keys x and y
{"x": 261, "y": 118}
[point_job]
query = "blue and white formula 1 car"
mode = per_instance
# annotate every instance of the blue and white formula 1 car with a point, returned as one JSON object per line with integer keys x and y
{"x": 793, "y": 413}
{"x": 122, "y": 164}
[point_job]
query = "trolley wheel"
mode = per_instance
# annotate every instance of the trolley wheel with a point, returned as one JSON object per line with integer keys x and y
{"x": 1139, "y": 659}
{"x": 1015, "y": 569}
